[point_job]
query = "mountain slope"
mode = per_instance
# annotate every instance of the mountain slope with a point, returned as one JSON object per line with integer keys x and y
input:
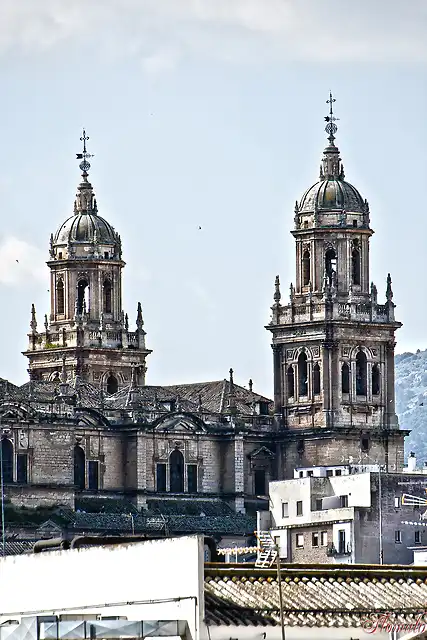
{"x": 411, "y": 401}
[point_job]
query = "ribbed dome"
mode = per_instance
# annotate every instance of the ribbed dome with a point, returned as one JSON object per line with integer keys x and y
{"x": 332, "y": 193}
{"x": 85, "y": 227}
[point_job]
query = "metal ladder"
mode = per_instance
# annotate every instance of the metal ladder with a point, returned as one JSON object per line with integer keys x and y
{"x": 267, "y": 550}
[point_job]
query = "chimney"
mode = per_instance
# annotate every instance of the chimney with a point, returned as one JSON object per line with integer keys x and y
{"x": 412, "y": 462}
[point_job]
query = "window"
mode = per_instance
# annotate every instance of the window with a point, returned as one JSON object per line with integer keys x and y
{"x": 82, "y": 296}
{"x": 341, "y": 541}
{"x": 259, "y": 482}
{"x": 112, "y": 384}
{"x": 310, "y": 474}
{"x": 316, "y": 379}
{"x": 60, "y": 298}
{"x": 263, "y": 409}
{"x": 397, "y": 502}
{"x": 291, "y": 382}
{"x": 93, "y": 473}
{"x": 315, "y": 539}
{"x": 176, "y": 462}
{"x": 22, "y": 468}
{"x": 79, "y": 467}
{"x": 306, "y": 268}
{"x": 285, "y": 510}
{"x": 375, "y": 380}
{"x": 398, "y": 537}
{"x": 324, "y": 538}
{"x": 192, "y": 478}
{"x": 361, "y": 368}
{"x": 60, "y": 255}
{"x": 7, "y": 460}
{"x": 299, "y": 539}
{"x": 299, "y": 507}
{"x": 417, "y": 537}
{"x": 106, "y": 292}
{"x": 329, "y": 473}
{"x": 338, "y": 472}
{"x": 355, "y": 224}
{"x": 364, "y": 443}
{"x": 300, "y": 448}
{"x": 301, "y": 474}
{"x": 302, "y": 374}
{"x": 161, "y": 476}
{"x": 318, "y": 504}
{"x": 355, "y": 266}
{"x": 345, "y": 378}
{"x": 106, "y": 255}
{"x": 330, "y": 263}
{"x": 343, "y": 501}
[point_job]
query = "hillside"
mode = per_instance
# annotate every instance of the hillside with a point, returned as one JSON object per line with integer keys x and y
{"x": 411, "y": 400}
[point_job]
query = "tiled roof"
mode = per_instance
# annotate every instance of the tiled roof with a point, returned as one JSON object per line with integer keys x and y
{"x": 16, "y": 547}
{"x": 209, "y": 397}
{"x": 188, "y": 507}
{"x": 214, "y": 396}
{"x": 314, "y": 595}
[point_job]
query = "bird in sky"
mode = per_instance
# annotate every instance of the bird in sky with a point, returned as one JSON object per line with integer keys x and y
{"x": 17, "y": 261}
{"x": 200, "y": 228}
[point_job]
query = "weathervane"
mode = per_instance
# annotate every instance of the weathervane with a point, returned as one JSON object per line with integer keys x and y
{"x": 84, "y": 165}
{"x": 331, "y": 128}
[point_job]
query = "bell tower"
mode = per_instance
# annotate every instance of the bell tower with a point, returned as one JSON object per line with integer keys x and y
{"x": 87, "y": 329}
{"x": 333, "y": 342}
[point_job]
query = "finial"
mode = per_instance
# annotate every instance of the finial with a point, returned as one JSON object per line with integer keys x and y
{"x": 291, "y": 292}
{"x": 250, "y": 384}
{"x": 277, "y": 294}
{"x": 46, "y": 323}
{"x": 139, "y": 319}
{"x": 231, "y": 377}
{"x": 389, "y": 291}
{"x": 84, "y": 165}
{"x": 231, "y": 394}
{"x": 133, "y": 381}
{"x": 331, "y": 128}
{"x": 199, "y": 404}
{"x": 33, "y": 323}
{"x": 127, "y": 322}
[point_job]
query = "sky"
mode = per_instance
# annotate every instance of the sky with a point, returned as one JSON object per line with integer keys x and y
{"x": 208, "y": 113}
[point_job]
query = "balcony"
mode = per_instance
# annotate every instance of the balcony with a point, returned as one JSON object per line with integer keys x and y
{"x": 341, "y": 550}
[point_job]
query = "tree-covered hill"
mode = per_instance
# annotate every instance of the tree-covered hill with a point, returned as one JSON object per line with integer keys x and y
{"x": 411, "y": 401}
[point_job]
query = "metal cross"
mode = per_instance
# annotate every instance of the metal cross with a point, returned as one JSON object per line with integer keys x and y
{"x": 331, "y": 128}
{"x": 84, "y": 166}
{"x": 84, "y": 138}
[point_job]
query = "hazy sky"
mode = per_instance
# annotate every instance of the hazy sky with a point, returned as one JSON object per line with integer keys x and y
{"x": 208, "y": 113}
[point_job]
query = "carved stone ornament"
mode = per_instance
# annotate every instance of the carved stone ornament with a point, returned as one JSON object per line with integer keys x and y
{"x": 23, "y": 439}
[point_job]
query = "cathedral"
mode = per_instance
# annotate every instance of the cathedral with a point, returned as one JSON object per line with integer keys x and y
{"x": 87, "y": 445}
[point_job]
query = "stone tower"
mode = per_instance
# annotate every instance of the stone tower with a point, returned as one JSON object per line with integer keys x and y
{"x": 333, "y": 343}
{"x": 87, "y": 333}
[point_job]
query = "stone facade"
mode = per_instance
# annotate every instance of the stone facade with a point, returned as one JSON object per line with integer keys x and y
{"x": 88, "y": 426}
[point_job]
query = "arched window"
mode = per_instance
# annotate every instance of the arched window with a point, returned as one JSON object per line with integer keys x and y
{"x": 7, "y": 460}
{"x": 112, "y": 384}
{"x": 330, "y": 262}
{"x": 375, "y": 380}
{"x": 107, "y": 291}
{"x": 355, "y": 266}
{"x": 79, "y": 467}
{"x": 361, "y": 369}
{"x": 176, "y": 468}
{"x": 345, "y": 378}
{"x": 306, "y": 268}
{"x": 291, "y": 382}
{"x": 302, "y": 375}
{"x": 82, "y": 296}
{"x": 60, "y": 309}
{"x": 316, "y": 379}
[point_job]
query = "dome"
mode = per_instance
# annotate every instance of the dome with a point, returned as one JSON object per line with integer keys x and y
{"x": 85, "y": 227}
{"x": 332, "y": 193}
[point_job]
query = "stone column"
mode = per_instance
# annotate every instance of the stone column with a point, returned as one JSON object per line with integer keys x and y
{"x": 239, "y": 475}
{"x": 277, "y": 379}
